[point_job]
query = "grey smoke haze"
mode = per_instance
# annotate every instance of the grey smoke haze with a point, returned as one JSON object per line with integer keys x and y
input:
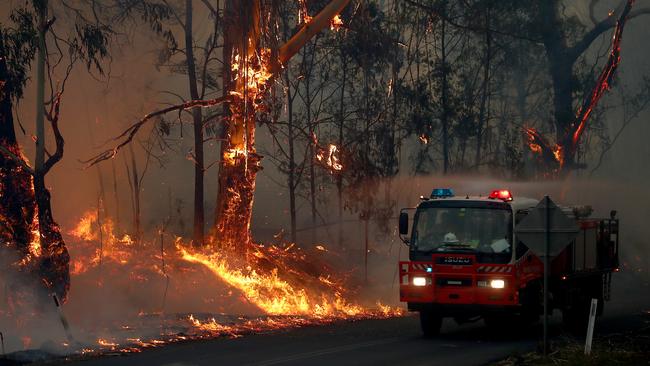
{"x": 93, "y": 111}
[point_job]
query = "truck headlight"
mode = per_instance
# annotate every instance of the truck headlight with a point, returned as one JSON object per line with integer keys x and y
{"x": 497, "y": 284}
{"x": 419, "y": 281}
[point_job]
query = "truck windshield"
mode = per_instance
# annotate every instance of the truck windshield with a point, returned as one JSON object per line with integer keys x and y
{"x": 482, "y": 230}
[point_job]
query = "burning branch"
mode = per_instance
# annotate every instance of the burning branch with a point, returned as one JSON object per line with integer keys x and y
{"x": 550, "y": 155}
{"x": 604, "y": 80}
{"x": 568, "y": 145}
{"x": 325, "y": 18}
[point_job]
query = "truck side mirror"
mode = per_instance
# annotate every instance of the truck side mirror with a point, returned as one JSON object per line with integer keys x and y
{"x": 403, "y": 223}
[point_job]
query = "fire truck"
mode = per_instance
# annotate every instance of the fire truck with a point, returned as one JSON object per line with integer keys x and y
{"x": 466, "y": 263}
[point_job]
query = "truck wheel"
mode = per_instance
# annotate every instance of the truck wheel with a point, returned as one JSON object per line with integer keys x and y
{"x": 576, "y": 317}
{"x": 430, "y": 323}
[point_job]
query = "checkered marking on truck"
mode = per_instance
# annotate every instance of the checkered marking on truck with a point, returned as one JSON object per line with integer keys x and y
{"x": 420, "y": 266}
{"x": 494, "y": 269}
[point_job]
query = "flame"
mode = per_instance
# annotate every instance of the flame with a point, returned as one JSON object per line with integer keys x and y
{"x": 231, "y": 155}
{"x": 329, "y": 158}
{"x": 106, "y": 343}
{"x": 277, "y": 280}
{"x": 254, "y": 70}
{"x": 35, "y": 249}
{"x": 271, "y": 293}
{"x": 100, "y": 241}
{"x": 424, "y": 139}
{"x": 303, "y": 14}
{"x": 336, "y": 23}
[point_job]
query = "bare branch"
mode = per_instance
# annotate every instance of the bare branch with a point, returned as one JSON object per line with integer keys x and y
{"x": 604, "y": 25}
{"x": 127, "y": 136}
{"x": 53, "y": 117}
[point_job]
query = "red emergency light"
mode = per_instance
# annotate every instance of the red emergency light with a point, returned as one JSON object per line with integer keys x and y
{"x": 502, "y": 194}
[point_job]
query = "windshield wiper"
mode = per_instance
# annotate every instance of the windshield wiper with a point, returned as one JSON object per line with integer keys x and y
{"x": 458, "y": 246}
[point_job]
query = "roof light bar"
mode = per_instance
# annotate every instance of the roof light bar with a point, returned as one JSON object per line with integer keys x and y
{"x": 501, "y": 194}
{"x": 442, "y": 193}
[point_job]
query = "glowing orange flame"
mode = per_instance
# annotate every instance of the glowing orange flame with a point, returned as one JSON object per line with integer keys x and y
{"x": 330, "y": 158}
{"x": 336, "y": 23}
{"x": 271, "y": 293}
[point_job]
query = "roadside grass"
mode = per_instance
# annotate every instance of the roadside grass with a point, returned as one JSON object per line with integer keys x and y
{"x": 627, "y": 348}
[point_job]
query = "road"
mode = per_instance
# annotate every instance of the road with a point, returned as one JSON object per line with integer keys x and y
{"x": 395, "y": 341}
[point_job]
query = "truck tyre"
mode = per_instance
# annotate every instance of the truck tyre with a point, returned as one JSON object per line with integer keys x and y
{"x": 430, "y": 323}
{"x": 576, "y": 316}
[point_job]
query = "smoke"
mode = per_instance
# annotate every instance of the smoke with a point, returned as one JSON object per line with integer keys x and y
{"x": 386, "y": 249}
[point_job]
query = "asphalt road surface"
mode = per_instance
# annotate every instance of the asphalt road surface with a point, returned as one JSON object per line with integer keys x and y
{"x": 394, "y": 341}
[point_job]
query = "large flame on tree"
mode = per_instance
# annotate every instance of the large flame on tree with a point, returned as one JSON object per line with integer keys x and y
{"x": 555, "y": 155}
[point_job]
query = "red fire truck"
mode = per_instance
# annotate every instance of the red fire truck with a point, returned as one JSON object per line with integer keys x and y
{"x": 465, "y": 262}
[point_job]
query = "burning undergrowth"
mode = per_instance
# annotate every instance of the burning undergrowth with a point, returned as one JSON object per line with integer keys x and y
{"x": 131, "y": 293}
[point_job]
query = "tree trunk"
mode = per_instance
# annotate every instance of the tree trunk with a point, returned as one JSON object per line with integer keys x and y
{"x": 484, "y": 108}
{"x": 17, "y": 202}
{"x": 137, "y": 231}
{"x": 292, "y": 184}
{"x": 55, "y": 260}
{"x": 312, "y": 131}
{"x": 239, "y": 160}
{"x": 116, "y": 196}
{"x": 199, "y": 211}
{"x": 26, "y": 223}
{"x": 561, "y": 70}
{"x": 339, "y": 177}
{"x": 444, "y": 118}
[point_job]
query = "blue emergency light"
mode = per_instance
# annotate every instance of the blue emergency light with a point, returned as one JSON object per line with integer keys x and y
{"x": 442, "y": 193}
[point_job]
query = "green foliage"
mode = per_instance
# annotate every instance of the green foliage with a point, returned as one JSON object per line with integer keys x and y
{"x": 18, "y": 47}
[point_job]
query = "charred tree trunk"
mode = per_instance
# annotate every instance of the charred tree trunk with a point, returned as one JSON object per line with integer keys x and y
{"x": 292, "y": 181}
{"x": 248, "y": 83}
{"x": 55, "y": 260}
{"x": 17, "y": 208}
{"x": 26, "y": 221}
{"x": 239, "y": 160}
{"x": 309, "y": 65}
{"x": 134, "y": 180}
{"x": 197, "y": 119}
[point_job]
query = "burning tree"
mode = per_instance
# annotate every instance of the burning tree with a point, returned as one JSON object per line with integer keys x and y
{"x": 559, "y": 157}
{"x": 251, "y": 66}
{"x": 28, "y": 226}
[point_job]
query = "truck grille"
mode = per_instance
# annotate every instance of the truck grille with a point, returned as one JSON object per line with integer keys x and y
{"x": 453, "y": 282}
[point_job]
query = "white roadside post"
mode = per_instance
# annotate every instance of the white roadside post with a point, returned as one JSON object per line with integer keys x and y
{"x": 590, "y": 327}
